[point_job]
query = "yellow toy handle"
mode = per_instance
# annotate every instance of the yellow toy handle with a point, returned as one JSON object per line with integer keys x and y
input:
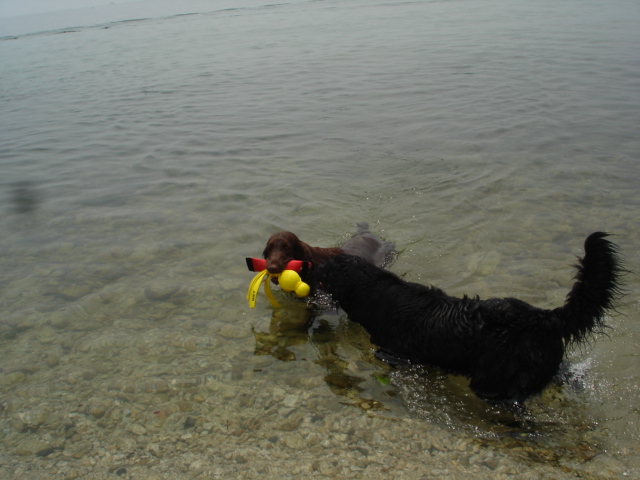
{"x": 301, "y": 288}
{"x": 267, "y": 291}
{"x": 252, "y": 293}
{"x": 254, "y": 286}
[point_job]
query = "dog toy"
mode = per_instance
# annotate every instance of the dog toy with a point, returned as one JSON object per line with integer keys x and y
{"x": 289, "y": 280}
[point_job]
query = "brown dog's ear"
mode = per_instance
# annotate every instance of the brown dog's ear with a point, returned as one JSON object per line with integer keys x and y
{"x": 302, "y": 251}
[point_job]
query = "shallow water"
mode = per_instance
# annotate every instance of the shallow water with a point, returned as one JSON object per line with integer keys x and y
{"x": 144, "y": 159}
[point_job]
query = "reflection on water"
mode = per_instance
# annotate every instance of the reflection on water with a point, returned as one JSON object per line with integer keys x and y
{"x": 288, "y": 327}
{"x": 300, "y": 324}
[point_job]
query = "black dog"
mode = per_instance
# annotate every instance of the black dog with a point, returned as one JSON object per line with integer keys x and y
{"x": 508, "y": 348}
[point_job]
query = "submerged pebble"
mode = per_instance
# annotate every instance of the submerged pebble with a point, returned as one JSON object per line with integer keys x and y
{"x": 294, "y": 441}
{"x": 12, "y": 378}
{"x": 73, "y": 292}
{"x": 137, "y": 429}
{"x": 233, "y": 331}
{"x": 31, "y": 446}
{"x": 488, "y": 263}
{"x": 156, "y": 291}
{"x": 46, "y": 336}
{"x": 36, "y": 416}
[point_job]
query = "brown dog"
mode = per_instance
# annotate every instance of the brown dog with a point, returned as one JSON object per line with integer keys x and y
{"x": 283, "y": 247}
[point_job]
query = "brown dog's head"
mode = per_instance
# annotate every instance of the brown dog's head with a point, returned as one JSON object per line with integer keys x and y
{"x": 282, "y": 247}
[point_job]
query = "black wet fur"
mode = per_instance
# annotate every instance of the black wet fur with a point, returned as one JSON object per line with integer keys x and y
{"x": 509, "y": 349}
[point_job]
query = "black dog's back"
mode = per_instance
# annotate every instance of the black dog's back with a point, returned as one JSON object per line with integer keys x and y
{"x": 369, "y": 246}
{"x": 508, "y": 348}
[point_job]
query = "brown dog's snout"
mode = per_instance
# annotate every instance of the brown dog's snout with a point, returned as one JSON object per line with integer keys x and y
{"x": 274, "y": 268}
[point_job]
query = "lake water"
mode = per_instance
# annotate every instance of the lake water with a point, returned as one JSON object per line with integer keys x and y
{"x": 147, "y": 148}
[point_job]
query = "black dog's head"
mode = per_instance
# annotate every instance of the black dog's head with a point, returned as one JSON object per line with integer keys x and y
{"x": 333, "y": 274}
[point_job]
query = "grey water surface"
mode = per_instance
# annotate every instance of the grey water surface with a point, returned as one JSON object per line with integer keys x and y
{"x": 146, "y": 149}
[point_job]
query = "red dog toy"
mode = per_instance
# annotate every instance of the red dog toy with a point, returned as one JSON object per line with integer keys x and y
{"x": 260, "y": 264}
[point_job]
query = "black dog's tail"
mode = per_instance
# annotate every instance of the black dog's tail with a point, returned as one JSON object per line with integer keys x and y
{"x": 596, "y": 288}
